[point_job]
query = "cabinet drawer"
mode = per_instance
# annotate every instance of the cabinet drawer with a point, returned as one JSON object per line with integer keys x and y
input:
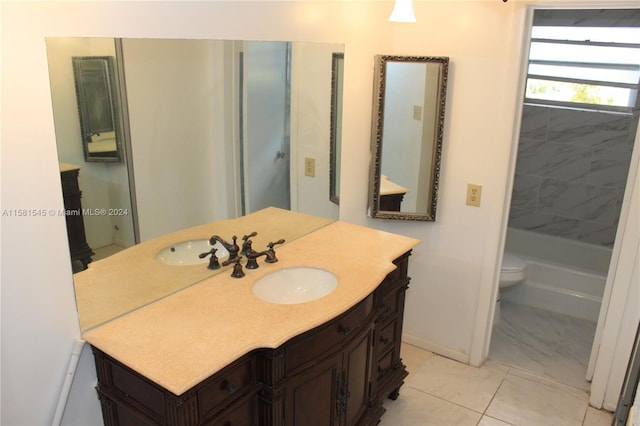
{"x": 387, "y": 337}
{"x": 233, "y": 381}
{"x": 388, "y": 307}
{"x": 135, "y": 389}
{"x": 397, "y": 276}
{"x": 115, "y": 413}
{"x": 319, "y": 341}
{"x": 242, "y": 413}
{"x": 386, "y": 364}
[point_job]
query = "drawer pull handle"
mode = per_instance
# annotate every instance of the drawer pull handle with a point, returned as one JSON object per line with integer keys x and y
{"x": 344, "y": 330}
{"x": 385, "y": 311}
{"x": 231, "y": 388}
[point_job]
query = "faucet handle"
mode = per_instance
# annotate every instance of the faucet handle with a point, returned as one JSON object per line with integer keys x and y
{"x": 232, "y": 248}
{"x": 271, "y": 255}
{"x": 213, "y": 260}
{"x": 246, "y": 242}
{"x": 270, "y": 245}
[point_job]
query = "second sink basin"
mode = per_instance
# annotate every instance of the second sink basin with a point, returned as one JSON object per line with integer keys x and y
{"x": 186, "y": 252}
{"x": 295, "y": 285}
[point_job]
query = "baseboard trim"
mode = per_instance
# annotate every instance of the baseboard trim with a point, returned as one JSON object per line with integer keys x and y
{"x": 436, "y": 348}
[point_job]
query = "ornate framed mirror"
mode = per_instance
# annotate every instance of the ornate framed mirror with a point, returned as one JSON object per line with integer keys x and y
{"x": 335, "y": 140}
{"x": 95, "y": 92}
{"x": 407, "y": 131}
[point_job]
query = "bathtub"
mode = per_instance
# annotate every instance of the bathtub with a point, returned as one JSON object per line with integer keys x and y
{"x": 563, "y": 275}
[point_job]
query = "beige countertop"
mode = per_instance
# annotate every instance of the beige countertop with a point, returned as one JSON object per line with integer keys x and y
{"x": 66, "y": 167}
{"x": 133, "y": 277}
{"x": 388, "y": 187}
{"x": 180, "y": 340}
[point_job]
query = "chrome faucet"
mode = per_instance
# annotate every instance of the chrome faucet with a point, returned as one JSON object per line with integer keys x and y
{"x": 232, "y": 248}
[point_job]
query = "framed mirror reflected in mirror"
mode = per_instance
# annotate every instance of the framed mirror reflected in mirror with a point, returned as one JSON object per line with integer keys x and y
{"x": 94, "y": 78}
{"x": 407, "y": 132}
{"x": 337, "y": 71}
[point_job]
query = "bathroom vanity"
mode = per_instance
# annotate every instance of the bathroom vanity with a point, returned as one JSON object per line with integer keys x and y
{"x": 214, "y": 353}
{"x": 78, "y": 246}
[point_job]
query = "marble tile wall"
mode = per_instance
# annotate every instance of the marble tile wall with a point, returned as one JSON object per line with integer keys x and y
{"x": 571, "y": 172}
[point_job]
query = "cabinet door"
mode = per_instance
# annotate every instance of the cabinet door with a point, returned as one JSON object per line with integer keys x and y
{"x": 357, "y": 371}
{"x": 311, "y": 395}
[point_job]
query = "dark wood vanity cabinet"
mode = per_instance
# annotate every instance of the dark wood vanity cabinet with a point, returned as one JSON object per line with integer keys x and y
{"x": 338, "y": 373}
{"x": 391, "y": 203}
{"x": 78, "y": 247}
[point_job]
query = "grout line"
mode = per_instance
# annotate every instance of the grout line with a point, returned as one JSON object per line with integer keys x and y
{"x": 484, "y": 413}
{"x": 446, "y": 400}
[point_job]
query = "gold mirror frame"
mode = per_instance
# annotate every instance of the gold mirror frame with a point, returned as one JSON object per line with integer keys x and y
{"x": 432, "y": 171}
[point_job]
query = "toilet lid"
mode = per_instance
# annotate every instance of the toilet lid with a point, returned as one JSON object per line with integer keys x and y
{"x": 511, "y": 262}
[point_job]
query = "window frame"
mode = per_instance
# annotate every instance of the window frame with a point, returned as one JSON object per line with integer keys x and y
{"x": 635, "y": 87}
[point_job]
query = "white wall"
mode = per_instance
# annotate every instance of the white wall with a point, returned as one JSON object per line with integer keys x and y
{"x": 453, "y": 269}
{"x": 310, "y": 119}
{"x": 456, "y": 259}
{"x": 166, "y": 118}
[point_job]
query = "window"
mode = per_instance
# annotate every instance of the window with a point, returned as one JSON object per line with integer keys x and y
{"x": 585, "y": 67}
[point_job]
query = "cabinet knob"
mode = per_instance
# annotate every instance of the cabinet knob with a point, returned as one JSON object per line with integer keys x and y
{"x": 231, "y": 388}
{"x": 344, "y": 330}
{"x": 384, "y": 340}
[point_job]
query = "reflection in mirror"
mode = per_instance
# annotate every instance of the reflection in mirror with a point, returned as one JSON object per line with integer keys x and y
{"x": 99, "y": 187}
{"x": 208, "y": 123}
{"x": 95, "y": 91}
{"x": 408, "y": 121}
{"x": 203, "y": 133}
{"x": 337, "y": 72}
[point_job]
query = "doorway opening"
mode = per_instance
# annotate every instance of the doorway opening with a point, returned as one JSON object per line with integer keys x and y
{"x": 578, "y": 126}
{"x": 265, "y": 115}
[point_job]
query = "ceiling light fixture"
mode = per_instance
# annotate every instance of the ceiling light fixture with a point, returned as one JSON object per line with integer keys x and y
{"x": 403, "y": 12}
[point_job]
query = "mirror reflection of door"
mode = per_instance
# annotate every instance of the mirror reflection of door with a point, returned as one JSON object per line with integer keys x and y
{"x": 266, "y": 117}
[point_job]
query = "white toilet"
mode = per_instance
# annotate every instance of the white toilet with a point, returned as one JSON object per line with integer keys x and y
{"x": 512, "y": 272}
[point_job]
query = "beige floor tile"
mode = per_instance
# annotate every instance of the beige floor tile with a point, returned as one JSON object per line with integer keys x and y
{"x": 415, "y": 408}
{"x": 459, "y": 383}
{"x": 413, "y": 357}
{"x": 490, "y": 421}
{"x": 525, "y": 402}
{"x": 597, "y": 417}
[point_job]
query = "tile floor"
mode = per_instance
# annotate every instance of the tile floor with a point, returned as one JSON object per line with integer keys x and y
{"x": 545, "y": 343}
{"x": 102, "y": 252}
{"x": 518, "y": 385}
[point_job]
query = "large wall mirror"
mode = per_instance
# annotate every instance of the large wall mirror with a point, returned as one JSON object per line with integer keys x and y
{"x": 212, "y": 130}
{"x": 407, "y": 132}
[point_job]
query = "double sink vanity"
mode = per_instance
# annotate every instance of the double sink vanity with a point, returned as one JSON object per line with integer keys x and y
{"x": 313, "y": 338}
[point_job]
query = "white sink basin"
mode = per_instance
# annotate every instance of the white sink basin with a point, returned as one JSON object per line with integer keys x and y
{"x": 295, "y": 285}
{"x": 186, "y": 252}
